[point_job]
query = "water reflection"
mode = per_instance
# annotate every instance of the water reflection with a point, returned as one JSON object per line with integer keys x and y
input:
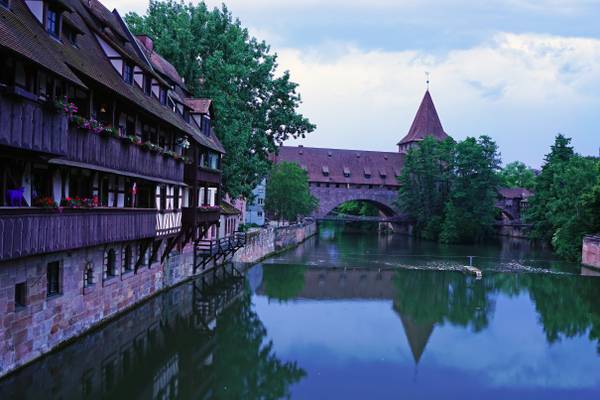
{"x": 198, "y": 340}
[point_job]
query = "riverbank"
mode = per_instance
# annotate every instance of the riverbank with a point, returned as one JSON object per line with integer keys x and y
{"x": 46, "y": 325}
{"x": 266, "y": 242}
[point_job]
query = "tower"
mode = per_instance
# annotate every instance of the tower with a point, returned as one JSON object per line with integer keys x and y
{"x": 426, "y": 123}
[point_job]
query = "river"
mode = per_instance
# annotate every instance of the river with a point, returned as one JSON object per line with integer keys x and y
{"x": 348, "y": 316}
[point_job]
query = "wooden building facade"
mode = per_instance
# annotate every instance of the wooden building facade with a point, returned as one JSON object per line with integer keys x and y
{"x": 107, "y": 166}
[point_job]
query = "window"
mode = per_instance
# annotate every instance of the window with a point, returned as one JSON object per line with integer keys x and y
{"x": 162, "y": 96}
{"x": 110, "y": 264}
{"x": 88, "y": 275}
{"x": 127, "y": 259}
{"x": 53, "y": 279}
{"x": 147, "y": 85}
{"x": 53, "y": 22}
{"x": 70, "y": 34}
{"x": 260, "y": 214}
{"x": 20, "y": 295}
{"x": 128, "y": 73}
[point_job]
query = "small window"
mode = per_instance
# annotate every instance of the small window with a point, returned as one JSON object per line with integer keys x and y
{"x": 53, "y": 22}
{"x": 147, "y": 85}
{"x": 162, "y": 96}
{"x": 53, "y": 279}
{"x": 110, "y": 264}
{"x": 88, "y": 275}
{"x": 127, "y": 259}
{"x": 128, "y": 73}
{"x": 20, "y": 295}
{"x": 260, "y": 214}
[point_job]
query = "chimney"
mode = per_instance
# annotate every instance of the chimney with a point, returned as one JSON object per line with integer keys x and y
{"x": 146, "y": 41}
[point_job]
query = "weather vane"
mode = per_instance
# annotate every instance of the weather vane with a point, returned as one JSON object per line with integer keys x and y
{"x": 428, "y": 75}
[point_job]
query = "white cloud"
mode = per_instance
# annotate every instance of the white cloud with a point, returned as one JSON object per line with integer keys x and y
{"x": 513, "y": 87}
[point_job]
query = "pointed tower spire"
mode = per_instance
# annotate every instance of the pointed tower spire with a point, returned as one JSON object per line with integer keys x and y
{"x": 426, "y": 123}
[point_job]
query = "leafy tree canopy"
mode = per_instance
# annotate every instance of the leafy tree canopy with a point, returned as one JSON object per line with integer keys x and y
{"x": 256, "y": 107}
{"x": 287, "y": 194}
{"x": 517, "y": 175}
{"x": 449, "y": 188}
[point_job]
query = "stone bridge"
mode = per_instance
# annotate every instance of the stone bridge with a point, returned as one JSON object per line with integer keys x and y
{"x": 330, "y": 198}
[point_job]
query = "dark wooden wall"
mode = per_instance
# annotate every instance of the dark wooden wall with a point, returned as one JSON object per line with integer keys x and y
{"x": 25, "y": 232}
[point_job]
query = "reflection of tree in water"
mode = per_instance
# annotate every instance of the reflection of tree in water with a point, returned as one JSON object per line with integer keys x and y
{"x": 567, "y": 305}
{"x": 438, "y": 297}
{"x": 245, "y": 365}
{"x": 283, "y": 282}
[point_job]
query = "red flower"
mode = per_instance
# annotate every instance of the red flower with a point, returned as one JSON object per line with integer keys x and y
{"x": 68, "y": 198}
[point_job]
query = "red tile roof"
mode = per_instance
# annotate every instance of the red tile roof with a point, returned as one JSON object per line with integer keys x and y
{"x": 357, "y": 162}
{"x": 200, "y": 106}
{"x": 426, "y": 123}
{"x": 515, "y": 193}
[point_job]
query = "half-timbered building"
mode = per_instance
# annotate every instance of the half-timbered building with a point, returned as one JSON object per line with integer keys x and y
{"x": 108, "y": 166}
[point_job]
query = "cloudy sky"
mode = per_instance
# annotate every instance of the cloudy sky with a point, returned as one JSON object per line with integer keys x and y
{"x": 517, "y": 70}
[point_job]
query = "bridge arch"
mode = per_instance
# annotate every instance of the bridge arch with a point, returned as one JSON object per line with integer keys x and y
{"x": 330, "y": 198}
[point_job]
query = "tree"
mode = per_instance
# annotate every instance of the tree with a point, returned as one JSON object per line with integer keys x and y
{"x": 359, "y": 208}
{"x": 449, "y": 188}
{"x": 424, "y": 184}
{"x": 539, "y": 211}
{"x": 256, "y": 108}
{"x": 471, "y": 208}
{"x": 517, "y": 175}
{"x": 287, "y": 194}
{"x": 567, "y": 195}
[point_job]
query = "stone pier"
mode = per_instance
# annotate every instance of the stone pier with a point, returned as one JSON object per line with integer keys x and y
{"x": 591, "y": 251}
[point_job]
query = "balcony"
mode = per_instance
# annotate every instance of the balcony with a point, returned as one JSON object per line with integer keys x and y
{"x": 29, "y": 125}
{"x": 29, "y": 231}
{"x": 90, "y": 150}
{"x": 193, "y": 174}
{"x": 193, "y": 217}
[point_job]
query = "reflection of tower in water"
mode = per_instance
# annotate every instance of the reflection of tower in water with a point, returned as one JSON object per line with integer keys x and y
{"x": 417, "y": 333}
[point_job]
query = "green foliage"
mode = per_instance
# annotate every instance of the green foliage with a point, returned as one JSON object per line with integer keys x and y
{"x": 287, "y": 194}
{"x": 256, "y": 108}
{"x": 425, "y": 183}
{"x": 517, "y": 175}
{"x": 359, "y": 208}
{"x": 565, "y": 205}
{"x": 449, "y": 188}
{"x": 283, "y": 282}
{"x": 246, "y": 365}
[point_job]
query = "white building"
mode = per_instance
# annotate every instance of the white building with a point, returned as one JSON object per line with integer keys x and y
{"x": 255, "y": 211}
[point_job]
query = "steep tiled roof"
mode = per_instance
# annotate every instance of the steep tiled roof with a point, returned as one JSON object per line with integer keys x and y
{"x": 200, "y": 106}
{"x": 228, "y": 209}
{"x": 426, "y": 123}
{"x": 20, "y": 32}
{"x": 338, "y": 163}
{"x": 515, "y": 193}
{"x": 31, "y": 41}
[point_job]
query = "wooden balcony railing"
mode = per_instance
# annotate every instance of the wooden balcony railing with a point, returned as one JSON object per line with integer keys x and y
{"x": 113, "y": 153}
{"x": 29, "y": 125}
{"x": 193, "y": 217}
{"x": 193, "y": 174}
{"x": 30, "y": 231}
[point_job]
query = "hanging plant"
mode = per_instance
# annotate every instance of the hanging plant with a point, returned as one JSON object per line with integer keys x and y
{"x": 182, "y": 142}
{"x": 65, "y": 106}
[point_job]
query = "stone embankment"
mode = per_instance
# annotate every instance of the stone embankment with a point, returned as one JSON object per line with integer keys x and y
{"x": 591, "y": 251}
{"x": 262, "y": 243}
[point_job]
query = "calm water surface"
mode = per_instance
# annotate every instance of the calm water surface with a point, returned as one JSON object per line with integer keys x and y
{"x": 349, "y": 316}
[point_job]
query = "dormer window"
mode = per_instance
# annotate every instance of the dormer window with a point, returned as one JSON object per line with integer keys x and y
{"x": 162, "y": 96}
{"x": 53, "y": 22}
{"x": 147, "y": 85}
{"x": 128, "y": 73}
{"x": 346, "y": 172}
{"x": 325, "y": 170}
{"x": 70, "y": 34}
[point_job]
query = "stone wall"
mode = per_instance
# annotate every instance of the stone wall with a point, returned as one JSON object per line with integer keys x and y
{"x": 591, "y": 251}
{"x": 264, "y": 242}
{"x": 44, "y": 322}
